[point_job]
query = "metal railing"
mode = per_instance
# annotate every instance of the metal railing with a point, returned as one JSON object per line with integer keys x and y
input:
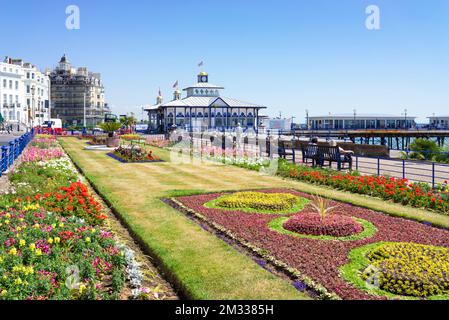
{"x": 10, "y": 153}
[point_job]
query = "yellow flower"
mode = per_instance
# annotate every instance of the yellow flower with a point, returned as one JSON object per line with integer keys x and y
{"x": 18, "y": 281}
{"x": 82, "y": 288}
{"x": 6, "y": 221}
{"x": 50, "y": 240}
{"x": 32, "y": 246}
{"x": 1, "y": 224}
{"x": 5, "y": 277}
{"x": 1, "y": 259}
{"x": 19, "y": 229}
{"x": 93, "y": 230}
{"x": 36, "y": 226}
{"x": 22, "y": 242}
{"x": 87, "y": 239}
{"x": 61, "y": 225}
{"x": 4, "y": 293}
{"x": 13, "y": 251}
{"x": 53, "y": 225}
{"x": 38, "y": 252}
{"x": 8, "y": 215}
{"x": 57, "y": 240}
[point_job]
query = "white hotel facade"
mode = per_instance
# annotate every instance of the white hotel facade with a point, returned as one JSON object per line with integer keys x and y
{"x": 24, "y": 94}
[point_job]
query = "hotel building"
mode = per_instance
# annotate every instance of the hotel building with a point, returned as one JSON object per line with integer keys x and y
{"x": 77, "y": 94}
{"x": 24, "y": 93}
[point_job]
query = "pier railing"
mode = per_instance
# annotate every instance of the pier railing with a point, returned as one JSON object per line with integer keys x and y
{"x": 10, "y": 153}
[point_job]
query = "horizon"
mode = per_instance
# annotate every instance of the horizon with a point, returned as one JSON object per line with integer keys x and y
{"x": 287, "y": 55}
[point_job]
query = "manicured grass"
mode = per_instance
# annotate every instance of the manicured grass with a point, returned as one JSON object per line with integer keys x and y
{"x": 206, "y": 267}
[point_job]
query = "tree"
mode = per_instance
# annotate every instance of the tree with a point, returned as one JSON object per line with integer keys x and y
{"x": 424, "y": 149}
{"x": 110, "y": 127}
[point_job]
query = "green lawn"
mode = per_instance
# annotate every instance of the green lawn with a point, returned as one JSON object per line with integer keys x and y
{"x": 205, "y": 267}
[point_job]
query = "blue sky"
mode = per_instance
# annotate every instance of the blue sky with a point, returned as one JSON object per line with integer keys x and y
{"x": 289, "y": 55}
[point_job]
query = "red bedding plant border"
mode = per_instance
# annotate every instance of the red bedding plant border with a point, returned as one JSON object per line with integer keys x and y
{"x": 317, "y": 260}
{"x": 335, "y": 225}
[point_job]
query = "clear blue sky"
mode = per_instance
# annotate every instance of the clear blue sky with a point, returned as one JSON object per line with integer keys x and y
{"x": 289, "y": 55}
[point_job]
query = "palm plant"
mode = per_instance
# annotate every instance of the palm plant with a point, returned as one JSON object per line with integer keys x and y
{"x": 110, "y": 127}
{"x": 322, "y": 206}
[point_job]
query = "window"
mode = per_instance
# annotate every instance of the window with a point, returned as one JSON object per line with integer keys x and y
{"x": 28, "y": 75}
{"x": 10, "y": 84}
{"x": 4, "y": 83}
{"x": 17, "y": 85}
{"x": 28, "y": 88}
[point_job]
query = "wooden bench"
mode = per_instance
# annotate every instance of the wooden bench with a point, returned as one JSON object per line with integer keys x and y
{"x": 321, "y": 154}
{"x": 286, "y": 149}
{"x": 310, "y": 152}
{"x": 333, "y": 154}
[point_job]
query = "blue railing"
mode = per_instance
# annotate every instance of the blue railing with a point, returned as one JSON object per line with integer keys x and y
{"x": 13, "y": 150}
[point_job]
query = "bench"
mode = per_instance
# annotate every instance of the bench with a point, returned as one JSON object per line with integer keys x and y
{"x": 321, "y": 154}
{"x": 310, "y": 152}
{"x": 286, "y": 149}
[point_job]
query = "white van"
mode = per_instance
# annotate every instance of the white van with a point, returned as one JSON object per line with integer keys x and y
{"x": 53, "y": 124}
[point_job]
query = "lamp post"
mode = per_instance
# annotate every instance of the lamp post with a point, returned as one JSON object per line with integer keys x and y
{"x": 307, "y": 119}
{"x": 405, "y": 118}
{"x": 355, "y": 115}
{"x": 33, "y": 90}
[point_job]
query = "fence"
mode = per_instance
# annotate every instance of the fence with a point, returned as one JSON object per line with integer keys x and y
{"x": 413, "y": 170}
{"x": 13, "y": 150}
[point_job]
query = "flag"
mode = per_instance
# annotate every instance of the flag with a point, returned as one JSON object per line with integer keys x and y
{"x": 200, "y": 64}
{"x": 160, "y": 93}
{"x": 176, "y": 84}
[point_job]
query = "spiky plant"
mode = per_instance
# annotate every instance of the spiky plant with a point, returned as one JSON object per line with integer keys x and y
{"x": 322, "y": 206}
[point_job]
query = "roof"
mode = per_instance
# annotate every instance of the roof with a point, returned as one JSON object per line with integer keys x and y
{"x": 438, "y": 117}
{"x": 153, "y": 107}
{"x": 362, "y": 116}
{"x": 204, "y": 85}
{"x": 208, "y": 101}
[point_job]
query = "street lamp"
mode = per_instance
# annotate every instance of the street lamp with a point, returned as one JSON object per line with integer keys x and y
{"x": 307, "y": 119}
{"x": 405, "y": 118}
{"x": 33, "y": 90}
{"x": 355, "y": 115}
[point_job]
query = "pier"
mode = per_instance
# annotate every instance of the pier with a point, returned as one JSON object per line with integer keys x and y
{"x": 398, "y": 139}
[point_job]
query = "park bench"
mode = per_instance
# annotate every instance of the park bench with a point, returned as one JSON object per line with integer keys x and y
{"x": 310, "y": 152}
{"x": 286, "y": 149}
{"x": 333, "y": 154}
{"x": 321, "y": 154}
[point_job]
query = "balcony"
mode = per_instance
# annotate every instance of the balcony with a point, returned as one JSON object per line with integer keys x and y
{"x": 11, "y": 106}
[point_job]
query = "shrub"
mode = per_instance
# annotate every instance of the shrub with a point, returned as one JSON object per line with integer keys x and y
{"x": 313, "y": 224}
{"x": 424, "y": 148}
{"x": 410, "y": 269}
{"x": 134, "y": 153}
{"x": 258, "y": 201}
{"x": 130, "y": 137}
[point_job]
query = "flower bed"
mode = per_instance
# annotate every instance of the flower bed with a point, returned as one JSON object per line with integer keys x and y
{"x": 398, "y": 190}
{"x": 313, "y": 260}
{"x": 260, "y": 202}
{"x": 131, "y": 137}
{"x": 38, "y": 250}
{"x": 33, "y": 154}
{"x": 312, "y": 224}
{"x": 52, "y": 245}
{"x": 133, "y": 153}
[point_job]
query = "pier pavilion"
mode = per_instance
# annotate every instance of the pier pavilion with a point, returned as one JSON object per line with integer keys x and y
{"x": 203, "y": 108}
{"x": 360, "y": 121}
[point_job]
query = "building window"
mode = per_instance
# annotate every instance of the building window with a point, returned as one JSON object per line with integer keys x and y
{"x": 4, "y": 83}
{"x": 10, "y": 84}
{"x": 17, "y": 85}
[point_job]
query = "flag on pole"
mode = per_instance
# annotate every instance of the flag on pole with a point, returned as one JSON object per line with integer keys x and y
{"x": 176, "y": 84}
{"x": 200, "y": 64}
